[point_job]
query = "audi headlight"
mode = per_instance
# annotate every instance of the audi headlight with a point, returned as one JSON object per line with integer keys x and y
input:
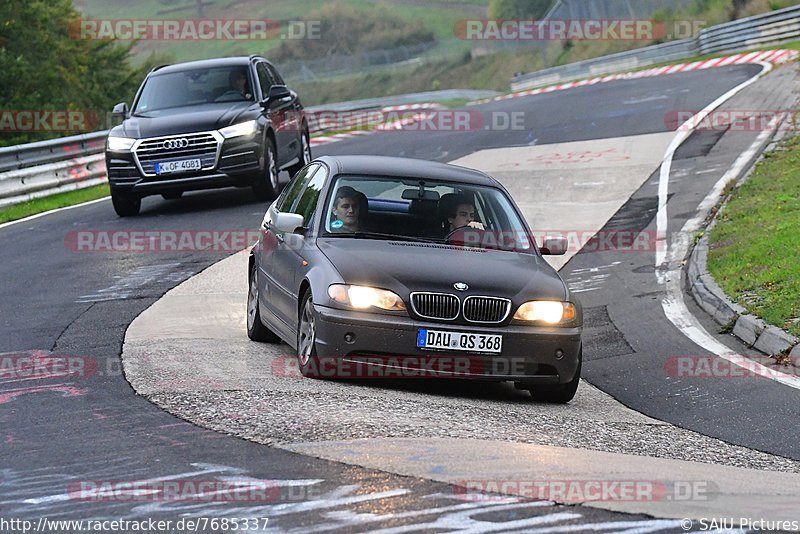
{"x": 546, "y": 311}
{"x": 119, "y": 144}
{"x": 363, "y": 297}
{"x": 238, "y": 130}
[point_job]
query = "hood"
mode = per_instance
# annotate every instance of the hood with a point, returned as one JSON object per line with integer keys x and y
{"x": 404, "y": 267}
{"x": 186, "y": 119}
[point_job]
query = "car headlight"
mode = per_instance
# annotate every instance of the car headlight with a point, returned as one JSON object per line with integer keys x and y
{"x": 119, "y": 144}
{"x": 238, "y": 130}
{"x": 363, "y": 297}
{"x": 546, "y": 311}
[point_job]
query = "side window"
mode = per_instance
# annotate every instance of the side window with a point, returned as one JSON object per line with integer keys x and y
{"x": 264, "y": 79}
{"x": 292, "y": 191}
{"x": 307, "y": 203}
{"x": 275, "y": 76}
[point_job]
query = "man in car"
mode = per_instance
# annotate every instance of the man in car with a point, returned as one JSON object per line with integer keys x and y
{"x": 462, "y": 213}
{"x": 347, "y": 210}
{"x": 237, "y": 79}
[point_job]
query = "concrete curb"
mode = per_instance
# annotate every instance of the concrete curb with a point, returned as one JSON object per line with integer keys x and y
{"x": 752, "y": 330}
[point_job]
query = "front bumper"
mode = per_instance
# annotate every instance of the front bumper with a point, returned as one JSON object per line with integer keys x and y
{"x": 386, "y": 345}
{"x": 237, "y": 165}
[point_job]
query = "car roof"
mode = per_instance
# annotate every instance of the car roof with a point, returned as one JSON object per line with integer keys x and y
{"x": 241, "y": 61}
{"x": 406, "y": 167}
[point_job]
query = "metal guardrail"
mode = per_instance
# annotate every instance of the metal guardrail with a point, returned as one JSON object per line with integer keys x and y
{"x": 42, "y": 168}
{"x": 761, "y": 30}
{"x": 46, "y": 167}
{"x": 752, "y": 32}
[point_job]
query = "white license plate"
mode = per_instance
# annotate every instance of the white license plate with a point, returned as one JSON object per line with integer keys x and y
{"x": 178, "y": 166}
{"x": 440, "y": 339}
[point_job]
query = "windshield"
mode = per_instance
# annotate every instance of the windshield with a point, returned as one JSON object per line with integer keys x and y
{"x": 426, "y": 210}
{"x": 193, "y": 87}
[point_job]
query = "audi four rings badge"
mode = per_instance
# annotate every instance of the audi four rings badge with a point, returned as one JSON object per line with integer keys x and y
{"x": 172, "y": 144}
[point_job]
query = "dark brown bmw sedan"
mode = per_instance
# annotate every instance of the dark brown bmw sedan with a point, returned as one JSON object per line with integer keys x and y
{"x": 390, "y": 267}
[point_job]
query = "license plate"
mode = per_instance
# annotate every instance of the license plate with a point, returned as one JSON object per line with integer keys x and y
{"x": 183, "y": 165}
{"x": 440, "y": 339}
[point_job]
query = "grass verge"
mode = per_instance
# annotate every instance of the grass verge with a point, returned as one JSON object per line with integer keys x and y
{"x": 59, "y": 200}
{"x": 753, "y": 250}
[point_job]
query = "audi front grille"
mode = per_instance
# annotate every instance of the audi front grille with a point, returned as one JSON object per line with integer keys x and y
{"x": 486, "y": 309}
{"x": 203, "y": 146}
{"x": 435, "y": 305}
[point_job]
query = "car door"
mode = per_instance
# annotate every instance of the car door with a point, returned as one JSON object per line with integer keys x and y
{"x": 271, "y": 240}
{"x": 294, "y": 118}
{"x": 279, "y": 112}
{"x": 291, "y": 249}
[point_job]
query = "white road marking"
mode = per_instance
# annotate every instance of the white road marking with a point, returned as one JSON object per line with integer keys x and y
{"x": 668, "y": 268}
{"x": 205, "y": 470}
{"x": 684, "y": 131}
{"x": 32, "y": 217}
{"x": 628, "y": 527}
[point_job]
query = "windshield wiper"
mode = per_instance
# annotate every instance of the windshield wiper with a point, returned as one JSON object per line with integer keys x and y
{"x": 380, "y": 235}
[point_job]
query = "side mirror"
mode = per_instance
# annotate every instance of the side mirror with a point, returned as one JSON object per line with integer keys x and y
{"x": 287, "y": 222}
{"x": 120, "y": 110}
{"x": 276, "y": 92}
{"x": 554, "y": 246}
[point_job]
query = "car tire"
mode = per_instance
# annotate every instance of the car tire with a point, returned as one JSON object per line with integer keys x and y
{"x": 267, "y": 186}
{"x": 126, "y": 205}
{"x": 172, "y": 195}
{"x": 307, "y": 358}
{"x": 305, "y": 153}
{"x": 256, "y": 330}
{"x": 562, "y": 393}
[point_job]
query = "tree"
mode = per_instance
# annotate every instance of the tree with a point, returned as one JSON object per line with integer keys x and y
{"x": 518, "y": 9}
{"x": 44, "y": 66}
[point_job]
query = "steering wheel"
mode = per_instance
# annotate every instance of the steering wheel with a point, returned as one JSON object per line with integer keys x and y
{"x": 466, "y": 236}
{"x": 227, "y": 96}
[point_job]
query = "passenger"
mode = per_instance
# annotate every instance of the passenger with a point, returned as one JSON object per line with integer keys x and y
{"x": 347, "y": 210}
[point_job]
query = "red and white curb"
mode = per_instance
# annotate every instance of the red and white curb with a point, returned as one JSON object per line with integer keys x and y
{"x": 770, "y": 56}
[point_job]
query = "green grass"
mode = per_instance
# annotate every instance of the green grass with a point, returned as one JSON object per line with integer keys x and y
{"x": 60, "y": 200}
{"x": 486, "y": 72}
{"x": 753, "y": 253}
{"x": 440, "y": 17}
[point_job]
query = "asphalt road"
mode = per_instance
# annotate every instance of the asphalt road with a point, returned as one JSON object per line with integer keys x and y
{"x": 56, "y": 432}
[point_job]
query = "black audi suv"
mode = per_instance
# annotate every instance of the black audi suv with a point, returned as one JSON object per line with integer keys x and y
{"x": 206, "y": 124}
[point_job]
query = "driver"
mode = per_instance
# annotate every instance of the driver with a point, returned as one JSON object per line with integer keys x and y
{"x": 237, "y": 79}
{"x": 346, "y": 210}
{"x": 462, "y": 214}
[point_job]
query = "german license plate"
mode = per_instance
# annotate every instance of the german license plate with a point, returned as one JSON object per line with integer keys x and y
{"x": 468, "y": 341}
{"x": 183, "y": 165}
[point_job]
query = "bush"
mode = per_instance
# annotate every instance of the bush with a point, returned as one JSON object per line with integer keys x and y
{"x": 44, "y": 66}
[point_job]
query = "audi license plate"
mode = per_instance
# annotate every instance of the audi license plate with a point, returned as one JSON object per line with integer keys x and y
{"x": 439, "y": 339}
{"x": 183, "y": 165}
